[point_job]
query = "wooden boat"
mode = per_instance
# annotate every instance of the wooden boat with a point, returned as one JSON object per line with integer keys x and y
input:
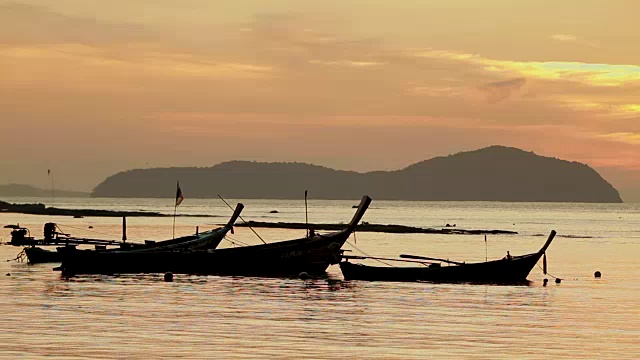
{"x": 511, "y": 269}
{"x": 202, "y": 240}
{"x": 311, "y": 254}
{"x": 38, "y": 255}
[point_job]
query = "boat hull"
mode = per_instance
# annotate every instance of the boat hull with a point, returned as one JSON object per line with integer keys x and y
{"x": 205, "y": 240}
{"x": 512, "y": 271}
{"x": 287, "y": 258}
{"x": 312, "y": 254}
{"x": 36, "y": 255}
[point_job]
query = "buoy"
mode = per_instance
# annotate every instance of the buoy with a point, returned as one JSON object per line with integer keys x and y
{"x": 168, "y": 277}
{"x": 597, "y": 274}
{"x": 544, "y": 282}
{"x": 303, "y": 275}
{"x": 558, "y": 280}
{"x": 8, "y": 274}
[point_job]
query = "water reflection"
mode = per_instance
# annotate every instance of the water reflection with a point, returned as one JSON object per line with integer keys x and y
{"x": 142, "y": 316}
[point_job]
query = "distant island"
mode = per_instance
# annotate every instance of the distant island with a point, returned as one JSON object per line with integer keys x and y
{"x": 495, "y": 173}
{"x": 32, "y": 191}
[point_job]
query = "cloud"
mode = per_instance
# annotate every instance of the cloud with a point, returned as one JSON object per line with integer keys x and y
{"x": 563, "y": 37}
{"x": 592, "y": 74}
{"x": 624, "y": 137}
{"x": 566, "y": 38}
{"x": 349, "y": 63}
{"x": 318, "y": 73}
{"x": 498, "y": 91}
{"x": 23, "y": 24}
{"x": 141, "y": 61}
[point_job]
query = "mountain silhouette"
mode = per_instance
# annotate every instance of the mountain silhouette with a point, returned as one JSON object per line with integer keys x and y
{"x": 32, "y": 191}
{"x": 495, "y": 173}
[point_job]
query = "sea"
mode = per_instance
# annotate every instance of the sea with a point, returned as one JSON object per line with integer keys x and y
{"x": 43, "y": 314}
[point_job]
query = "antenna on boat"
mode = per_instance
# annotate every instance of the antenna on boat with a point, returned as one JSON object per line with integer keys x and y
{"x": 306, "y": 213}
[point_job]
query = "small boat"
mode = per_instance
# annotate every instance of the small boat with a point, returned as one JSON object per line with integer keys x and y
{"x": 201, "y": 240}
{"x": 38, "y": 255}
{"x": 509, "y": 270}
{"x": 54, "y": 236}
{"x": 312, "y": 254}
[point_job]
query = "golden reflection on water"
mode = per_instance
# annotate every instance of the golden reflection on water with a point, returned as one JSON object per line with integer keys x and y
{"x": 141, "y": 316}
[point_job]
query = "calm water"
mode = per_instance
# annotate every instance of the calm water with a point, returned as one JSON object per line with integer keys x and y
{"x": 235, "y": 317}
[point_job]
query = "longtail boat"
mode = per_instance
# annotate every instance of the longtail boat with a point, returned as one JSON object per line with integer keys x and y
{"x": 510, "y": 270}
{"x": 312, "y": 254}
{"x": 201, "y": 240}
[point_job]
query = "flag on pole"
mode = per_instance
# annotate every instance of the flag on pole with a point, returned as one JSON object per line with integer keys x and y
{"x": 179, "y": 196}
{"x": 48, "y": 171}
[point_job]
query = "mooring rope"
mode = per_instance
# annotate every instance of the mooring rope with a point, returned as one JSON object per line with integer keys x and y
{"x": 90, "y": 230}
{"x": 243, "y": 220}
{"x": 234, "y": 241}
{"x": 20, "y": 257}
{"x": 555, "y": 277}
{"x": 367, "y": 255}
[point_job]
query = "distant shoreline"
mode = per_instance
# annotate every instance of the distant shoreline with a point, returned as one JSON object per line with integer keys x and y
{"x": 366, "y": 227}
{"x": 41, "y": 209}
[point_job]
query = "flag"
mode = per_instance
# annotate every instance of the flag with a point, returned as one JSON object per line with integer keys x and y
{"x": 179, "y": 196}
{"x": 48, "y": 171}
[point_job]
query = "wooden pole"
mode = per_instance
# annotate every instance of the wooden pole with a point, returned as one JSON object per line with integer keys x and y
{"x": 175, "y": 209}
{"x": 124, "y": 228}
{"x": 407, "y": 256}
{"x": 306, "y": 213}
{"x": 355, "y": 257}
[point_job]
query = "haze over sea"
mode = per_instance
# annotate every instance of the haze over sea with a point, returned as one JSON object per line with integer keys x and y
{"x": 141, "y": 316}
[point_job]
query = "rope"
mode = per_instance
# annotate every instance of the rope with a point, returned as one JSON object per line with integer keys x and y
{"x": 81, "y": 229}
{"x": 538, "y": 265}
{"x": 230, "y": 207}
{"x": 20, "y": 257}
{"x": 365, "y": 254}
{"x": 234, "y": 241}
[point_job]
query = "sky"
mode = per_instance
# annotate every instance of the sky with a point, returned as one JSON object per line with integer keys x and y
{"x": 90, "y": 88}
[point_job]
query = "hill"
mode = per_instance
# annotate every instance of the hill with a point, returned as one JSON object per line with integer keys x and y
{"x": 31, "y": 191}
{"x": 495, "y": 173}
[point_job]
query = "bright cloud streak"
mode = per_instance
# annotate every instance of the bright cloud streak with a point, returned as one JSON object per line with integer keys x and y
{"x": 630, "y": 138}
{"x": 139, "y": 58}
{"x": 572, "y": 39}
{"x": 590, "y": 74}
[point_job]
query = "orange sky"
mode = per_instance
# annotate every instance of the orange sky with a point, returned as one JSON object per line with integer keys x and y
{"x": 89, "y": 88}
